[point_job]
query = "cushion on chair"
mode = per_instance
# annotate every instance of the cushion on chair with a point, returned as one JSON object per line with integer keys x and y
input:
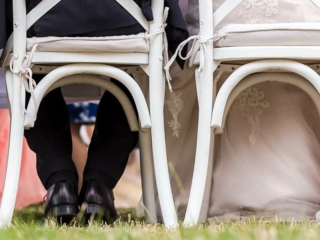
{"x": 117, "y": 44}
{"x": 264, "y": 23}
{"x": 276, "y": 34}
{"x": 269, "y": 23}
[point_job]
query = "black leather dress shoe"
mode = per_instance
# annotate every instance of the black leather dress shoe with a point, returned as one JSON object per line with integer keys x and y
{"x": 62, "y": 202}
{"x": 97, "y": 201}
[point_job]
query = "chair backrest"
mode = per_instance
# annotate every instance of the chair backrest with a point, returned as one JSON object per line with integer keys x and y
{"x": 135, "y": 11}
{"x": 316, "y": 2}
{"x": 23, "y": 21}
{"x": 205, "y": 18}
{"x": 224, "y": 10}
{"x": 227, "y": 6}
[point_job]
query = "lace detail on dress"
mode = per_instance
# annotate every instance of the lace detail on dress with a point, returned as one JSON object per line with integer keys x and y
{"x": 259, "y": 10}
{"x": 175, "y": 106}
{"x": 250, "y": 104}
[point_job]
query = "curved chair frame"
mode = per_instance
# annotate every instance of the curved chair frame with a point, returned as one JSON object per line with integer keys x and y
{"x": 107, "y": 85}
{"x": 295, "y": 80}
{"x": 254, "y": 67}
{"x": 151, "y": 63}
{"x": 97, "y": 69}
{"x": 144, "y": 133}
{"x": 204, "y": 90}
{"x": 199, "y": 199}
{"x": 201, "y": 182}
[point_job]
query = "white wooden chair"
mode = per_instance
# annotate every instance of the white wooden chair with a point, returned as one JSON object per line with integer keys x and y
{"x": 226, "y": 50}
{"x": 40, "y": 57}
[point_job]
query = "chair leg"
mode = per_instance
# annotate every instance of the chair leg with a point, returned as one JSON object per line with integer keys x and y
{"x": 14, "y": 158}
{"x": 147, "y": 176}
{"x": 207, "y": 192}
{"x": 205, "y": 92}
{"x": 159, "y": 151}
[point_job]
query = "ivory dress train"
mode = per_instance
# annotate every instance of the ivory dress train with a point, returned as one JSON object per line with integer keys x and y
{"x": 267, "y": 161}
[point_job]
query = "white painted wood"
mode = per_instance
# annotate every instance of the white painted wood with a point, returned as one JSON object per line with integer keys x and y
{"x": 14, "y": 158}
{"x": 238, "y": 75}
{"x": 156, "y": 86}
{"x": 316, "y": 2}
{"x": 147, "y": 176}
{"x": 16, "y": 128}
{"x": 34, "y": 15}
{"x": 41, "y": 9}
{"x": 135, "y": 11}
{"x": 79, "y": 57}
{"x": 265, "y": 52}
{"x": 200, "y": 187}
{"x": 205, "y": 96}
{"x": 224, "y": 10}
{"x": 288, "y": 78}
{"x": 88, "y": 64}
{"x": 104, "y": 70}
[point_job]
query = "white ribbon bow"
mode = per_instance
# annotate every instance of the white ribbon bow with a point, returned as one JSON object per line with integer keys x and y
{"x": 26, "y": 79}
{"x": 202, "y": 48}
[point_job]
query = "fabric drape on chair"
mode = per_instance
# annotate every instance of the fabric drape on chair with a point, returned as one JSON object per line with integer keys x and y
{"x": 266, "y": 165}
{"x": 267, "y": 160}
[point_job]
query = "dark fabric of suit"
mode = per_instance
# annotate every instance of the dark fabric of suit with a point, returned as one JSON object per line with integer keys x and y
{"x": 88, "y": 16}
{"x": 98, "y": 16}
{"x": 110, "y": 146}
{"x": 3, "y": 30}
{"x": 112, "y": 140}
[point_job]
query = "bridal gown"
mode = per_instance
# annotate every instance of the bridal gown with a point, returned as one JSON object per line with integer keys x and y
{"x": 267, "y": 160}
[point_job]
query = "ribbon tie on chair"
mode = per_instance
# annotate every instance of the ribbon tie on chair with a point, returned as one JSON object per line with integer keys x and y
{"x": 25, "y": 74}
{"x": 202, "y": 48}
{"x": 165, "y": 39}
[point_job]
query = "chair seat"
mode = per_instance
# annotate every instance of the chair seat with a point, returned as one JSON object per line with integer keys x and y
{"x": 115, "y": 44}
{"x": 277, "y": 34}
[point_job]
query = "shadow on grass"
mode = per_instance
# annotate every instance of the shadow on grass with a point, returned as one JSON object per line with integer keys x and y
{"x": 29, "y": 214}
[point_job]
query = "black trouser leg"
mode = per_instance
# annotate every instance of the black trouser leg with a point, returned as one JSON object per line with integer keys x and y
{"x": 50, "y": 139}
{"x": 112, "y": 142}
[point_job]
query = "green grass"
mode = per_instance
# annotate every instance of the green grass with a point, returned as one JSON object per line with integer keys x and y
{"x": 27, "y": 224}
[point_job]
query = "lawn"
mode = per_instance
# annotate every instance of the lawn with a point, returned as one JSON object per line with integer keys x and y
{"x": 27, "y": 224}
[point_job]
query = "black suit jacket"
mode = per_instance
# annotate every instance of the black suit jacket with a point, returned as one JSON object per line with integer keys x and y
{"x": 3, "y": 30}
{"x": 78, "y": 17}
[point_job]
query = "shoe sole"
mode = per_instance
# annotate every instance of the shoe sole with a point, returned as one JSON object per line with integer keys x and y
{"x": 64, "y": 213}
{"x": 96, "y": 212}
